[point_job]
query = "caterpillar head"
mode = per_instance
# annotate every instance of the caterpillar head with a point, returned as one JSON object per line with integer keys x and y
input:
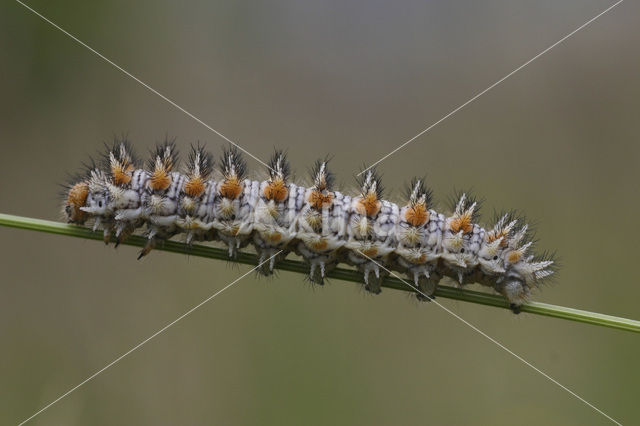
{"x": 98, "y": 201}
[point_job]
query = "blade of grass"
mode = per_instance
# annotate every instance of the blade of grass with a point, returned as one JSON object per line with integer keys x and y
{"x": 343, "y": 274}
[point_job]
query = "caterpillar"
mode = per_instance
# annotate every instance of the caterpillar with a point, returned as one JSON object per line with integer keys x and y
{"x": 325, "y": 227}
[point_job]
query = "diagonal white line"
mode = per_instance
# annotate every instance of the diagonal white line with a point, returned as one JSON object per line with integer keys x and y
{"x": 473, "y": 327}
{"x": 492, "y": 86}
{"x": 260, "y": 161}
{"x": 190, "y": 311}
{"x": 142, "y": 83}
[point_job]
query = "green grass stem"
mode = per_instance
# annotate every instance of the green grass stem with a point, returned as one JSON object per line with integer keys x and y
{"x": 343, "y": 274}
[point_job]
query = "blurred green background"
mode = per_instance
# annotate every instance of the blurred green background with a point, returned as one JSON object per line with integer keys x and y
{"x": 559, "y": 141}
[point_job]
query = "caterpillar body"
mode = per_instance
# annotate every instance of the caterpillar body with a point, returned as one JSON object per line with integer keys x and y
{"x": 323, "y": 226}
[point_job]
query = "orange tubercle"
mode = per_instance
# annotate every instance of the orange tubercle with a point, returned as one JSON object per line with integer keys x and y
{"x": 320, "y": 245}
{"x": 276, "y": 190}
{"x": 514, "y": 256}
{"x": 77, "y": 198}
{"x": 492, "y": 236}
{"x": 420, "y": 259}
{"x": 121, "y": 174}
{"x": 275, "y": 237}
{"x": 160, "y": 179}
{"x": 194, "y": 186}
{"x": 417, "y": 215}
{"x": 78, "y": 194}
{"x": 369, "y": 205}
{"x": 461, "y": 223}
{"x": 370, "y": 252}
{"x": 318, "y": 200}
{"x": 231, "y": 188}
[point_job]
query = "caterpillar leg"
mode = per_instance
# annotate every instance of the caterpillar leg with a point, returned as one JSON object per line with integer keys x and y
{"x": 318, "y": 269}
{"x": 159, "y": 228}
{"x": 151, "y": 244}
{"x": 121, "y": 233}
{"x": 314, "y": 250}
{"x": 195, "y": 230}
{"x": 372, "y": 282}
{"x": 515, "y": 308}
{"x": 422, "y": 269}
{"x": 106, "y": 229}
{"x": 106, "y": 234}
{"x": 266, "y": 268}
{"x": 426, "y": 283}
{"x": 123, "y": 230}
{"x": 514, "y": 288}
{"x": 231, "y": 243}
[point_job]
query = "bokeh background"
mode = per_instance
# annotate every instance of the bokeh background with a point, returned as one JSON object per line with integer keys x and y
{"x": 353, "y": 79}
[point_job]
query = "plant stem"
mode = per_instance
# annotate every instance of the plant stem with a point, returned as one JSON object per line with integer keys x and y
{"x": 344, "y": 274}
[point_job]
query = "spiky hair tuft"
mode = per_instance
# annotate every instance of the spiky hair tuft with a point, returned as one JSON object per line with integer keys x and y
{"x": 232, "y": 163}
{"x": 199, "y": 163}
{"x": 416, "y": 191}
{"x": 165, "y": 155}
{"x": 121, "y": 151}
{"x": 370, "y": 182}
{"x": 463, "y": 200}
{"x": 322, "y": 178}
{"x": 279, "y": 167}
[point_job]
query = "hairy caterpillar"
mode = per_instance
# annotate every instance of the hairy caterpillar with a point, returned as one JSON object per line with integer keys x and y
{"x": 323, "y": 226}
